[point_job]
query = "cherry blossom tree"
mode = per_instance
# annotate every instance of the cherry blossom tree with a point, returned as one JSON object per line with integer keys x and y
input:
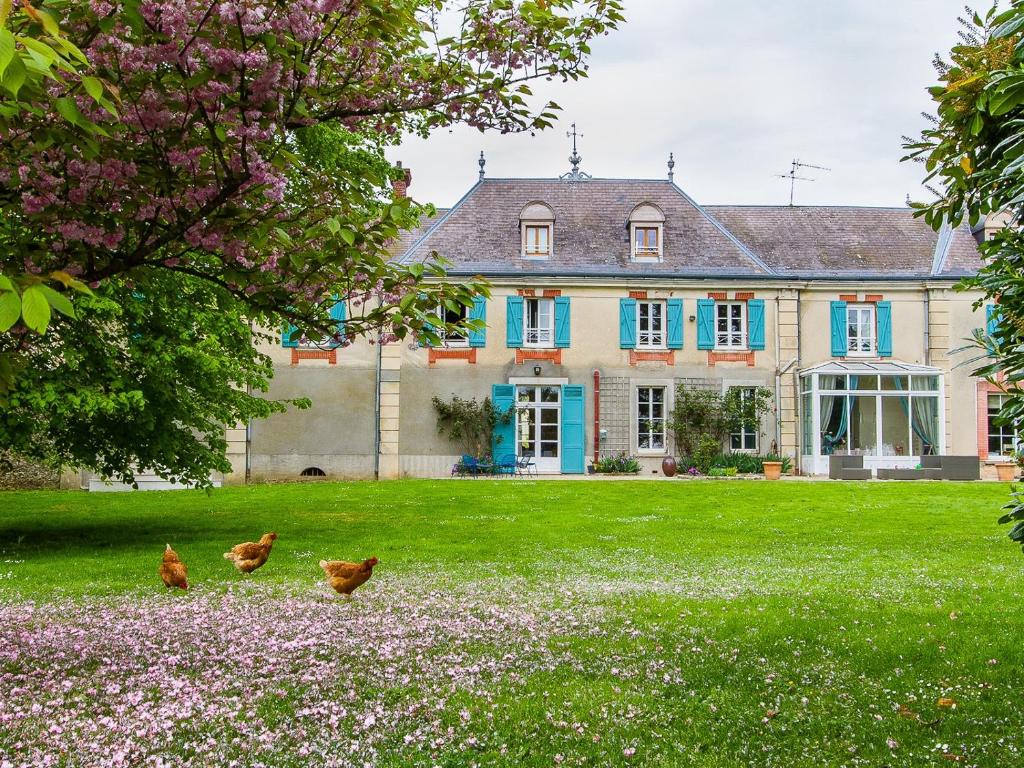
{"x": 184, "y": 150}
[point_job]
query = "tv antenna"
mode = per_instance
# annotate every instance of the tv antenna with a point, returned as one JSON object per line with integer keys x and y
{"x": 793, "y": 178}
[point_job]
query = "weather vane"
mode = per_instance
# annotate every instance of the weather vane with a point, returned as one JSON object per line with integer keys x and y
{"x": 793, "y": 178}
{"x": 575, "y": 159}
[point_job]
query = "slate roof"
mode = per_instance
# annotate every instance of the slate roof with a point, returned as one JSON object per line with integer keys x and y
{"x": 591, "y": 233}
{"x": 481, "y": 234}
{"x": 404, "y": 241}
{"x": 816, "y": 241}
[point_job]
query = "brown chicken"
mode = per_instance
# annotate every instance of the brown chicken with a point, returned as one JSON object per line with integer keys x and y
{"x": 251, "y": 555}
{"x": 345, "y": 577}
{"x": 173, "y": 571}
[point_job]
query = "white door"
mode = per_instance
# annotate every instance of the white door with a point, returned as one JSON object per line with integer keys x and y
{"x": 538, "y": 426}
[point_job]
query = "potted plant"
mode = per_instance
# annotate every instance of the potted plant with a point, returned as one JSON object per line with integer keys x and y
{"x": 1007, "y": 471}
{"x": 772, "y": 470}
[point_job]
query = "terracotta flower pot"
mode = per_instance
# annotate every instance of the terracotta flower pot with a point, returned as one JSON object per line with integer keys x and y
{"x": 668, "y": 466}
{"x": 772, "y": 470}
{"x": 1006, "y": 472}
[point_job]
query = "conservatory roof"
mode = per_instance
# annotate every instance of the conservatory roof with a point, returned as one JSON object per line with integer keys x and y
{"x": 892, "y": 367}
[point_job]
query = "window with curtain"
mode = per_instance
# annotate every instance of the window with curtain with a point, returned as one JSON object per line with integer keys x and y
{"x": 1002, "y": 438}
{"x": 539, "y": 323}
{"x": 860, "y": 329}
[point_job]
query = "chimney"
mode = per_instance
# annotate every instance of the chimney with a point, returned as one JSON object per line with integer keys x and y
{"x": 401, "y": 185}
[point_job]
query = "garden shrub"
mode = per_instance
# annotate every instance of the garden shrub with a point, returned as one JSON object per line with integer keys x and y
{"x": 622, "y": 463}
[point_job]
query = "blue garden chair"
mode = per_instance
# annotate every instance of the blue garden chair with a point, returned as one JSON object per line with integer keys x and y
{"x": 507, "y": 465}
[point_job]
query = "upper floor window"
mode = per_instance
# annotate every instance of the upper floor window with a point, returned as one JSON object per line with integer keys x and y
{"x": 539, "y": 322}
{"x": 650, "y": 324}
{"x": 730, "y": 325}
{"x": 860, "y": 329}
{"x": 458, "y": 337}
{"x": 537, "y": 240}
{"x": 537, "y": 224}
{"x": 646, "y": 224}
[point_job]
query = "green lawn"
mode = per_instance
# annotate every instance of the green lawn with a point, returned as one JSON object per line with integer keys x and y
{"x": 708, "y": 623}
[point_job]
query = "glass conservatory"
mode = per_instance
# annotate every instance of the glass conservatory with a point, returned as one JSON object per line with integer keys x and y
{"x": 890, "y": 413}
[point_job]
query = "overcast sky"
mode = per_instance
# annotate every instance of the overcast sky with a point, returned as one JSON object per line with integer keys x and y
{"x": 736, "y": 89}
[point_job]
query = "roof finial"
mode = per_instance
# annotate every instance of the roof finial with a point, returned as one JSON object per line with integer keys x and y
{"x": 671, "y": 167}
{"x": 481, "y": 162}
{"x": 575, "y": 159}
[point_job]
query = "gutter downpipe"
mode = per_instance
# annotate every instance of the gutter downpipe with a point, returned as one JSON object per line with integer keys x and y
{"x": 597, "y": 415}
{"x": 927, "y": 330}
{"x": 376, "y": 415}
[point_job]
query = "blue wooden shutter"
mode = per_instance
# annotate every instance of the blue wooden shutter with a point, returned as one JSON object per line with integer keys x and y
{"x": 627, "y": 323}
{"x": 514, "y": 321}
{"x": 338, "y": 315}
{"x": 705, "y": 323}
{"x": 991, "y": 319}
{"x": 674, "y": 337}
{"x": 286, "y": 336}
{"x": 562, "y": 324}
{"x": 755, "y": 323}
{"x": 838, "y": 323}
{"x": 503, "y": 439}
{"x": 478, "y": 312}
{"x": 573, "y": 430}
{"x": 883, "y": 315}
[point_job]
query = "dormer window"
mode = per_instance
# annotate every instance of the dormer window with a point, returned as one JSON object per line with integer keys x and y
{"x": 537, "y": 225}
{"x": 646, "y": 230}
{"x": 537, "y": 243}
{"x": 645, "y": 241}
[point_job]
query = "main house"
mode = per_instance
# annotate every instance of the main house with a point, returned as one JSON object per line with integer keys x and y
{"x": 610, "y": 293}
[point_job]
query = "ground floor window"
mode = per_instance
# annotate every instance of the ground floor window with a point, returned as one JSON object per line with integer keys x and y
{"x": 538, "y": 422}
{"x": 650, "y": 419}
{"x": 1002, "y": 439}
{"x": 879, "y": 410}
{"x": 745, "y": 437}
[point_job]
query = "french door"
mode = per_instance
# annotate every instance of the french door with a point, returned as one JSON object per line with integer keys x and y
{"x": 538, "y": 426}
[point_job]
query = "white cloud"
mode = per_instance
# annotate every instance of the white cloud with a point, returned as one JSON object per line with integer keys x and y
{"x": 736, "y": 89}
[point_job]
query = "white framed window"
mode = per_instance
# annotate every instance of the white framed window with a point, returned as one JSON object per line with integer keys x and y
{"x": 730, "y": 325}
{"x": 1002, "y": 439}
{"x": 744, "y": 440}
{"x": 650, "y": 419}
{"x": 457, "y": 338}
{"x": 646, "y": 241}
{"x": 650, "y": 324}
{"x": 536, "y": 240}
{"x": 861, "y": 330}
{"x": 539, "y": 322}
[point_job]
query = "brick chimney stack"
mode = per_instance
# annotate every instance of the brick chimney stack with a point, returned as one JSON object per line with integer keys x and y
{"x": 401, "y": 186}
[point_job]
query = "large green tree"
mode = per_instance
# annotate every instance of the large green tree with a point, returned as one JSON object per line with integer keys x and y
{"x": 974, "y": 155}
{"x": 234, "y": 149}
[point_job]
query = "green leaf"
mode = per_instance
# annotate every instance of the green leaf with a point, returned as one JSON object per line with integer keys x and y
{"x": 6, "y": 49}
{"x": 93, "y": 87}
{"x": 35, "y": 309}
{"x": 348, "y": 236}
{"x": 15, "y": 76}
{"x": 58, "y": 301}
{"x": 6, "y": 284}
{"x": 67, "y": 109}
{"x": 10, "y": 309}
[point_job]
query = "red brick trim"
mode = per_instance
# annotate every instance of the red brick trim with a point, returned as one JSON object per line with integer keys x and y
{"x": 330, "y": 355}
{"x": 874, "y": 298}
{"x": 552, "y": 355}
{"x": 731, "y": 357}
{"x": 848, "y": 297}
{"x": 652, "y": 357}
{"x": 638, "y": 294}
{"x": 744, "y": 295}
{"x": 551, "y": 293}
{"x": 718, "y": 295}
{"x": 526, "y": 292}
{"x": 434, "y": 354}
